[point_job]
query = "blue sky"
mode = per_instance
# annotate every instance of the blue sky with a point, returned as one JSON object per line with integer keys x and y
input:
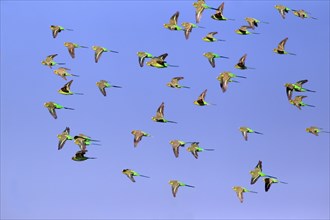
{"x": 40, "y": 182}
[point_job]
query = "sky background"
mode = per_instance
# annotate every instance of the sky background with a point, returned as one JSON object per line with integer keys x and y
{"x": 40, "y": 182}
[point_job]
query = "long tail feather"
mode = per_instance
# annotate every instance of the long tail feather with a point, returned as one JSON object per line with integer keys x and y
{"x": 325, "y": 132}
{"x": 187, "y": 87}
{"x": 61, "y": 63}
{"x": 117, "y": 86}
{"x": 91, "y": 157}
{"x": 200, "y": 27}
{"x": 172, "y": 65}
{"x": 83, "y": 47}
{"x": 264, "y": 22}
{"x": 96, "y": 144}
{"x": 209, "y": 149}
{"x": 283, "y": 182}
{"x": 224, "y": 57}
{"x": 220, "y": 40}
{"x": 172, "y": 122}
{"x": 251, "y": 68}
{"x": 310, "y": 90}
{"x": 292, "y": 54}
{"x": 114, "y": 51}
{"x": 95, "y": 140}
{"x": 271, "y": 176}
{"x": 309, "y": 105}
{"x": 68, "y": 29}
{"x": 74, "y": 75}
{"x": 230, "y": 19}
{"x": 77, "y": 93}
{"x": 189, "y": 186}
{"x": 144, "y": 176}
{"x": 68, "y": 108}
{"x": 254, "y": 33}
{"x": 257, "y": 132}
{"x": 252, "y": 191}
{"x": 241, "y": 77}
{"x": 234, "y": 81}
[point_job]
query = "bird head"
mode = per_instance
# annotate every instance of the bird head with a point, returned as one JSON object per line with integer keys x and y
{"x": 275, "y": 50}
{"x": 153, "y": 118}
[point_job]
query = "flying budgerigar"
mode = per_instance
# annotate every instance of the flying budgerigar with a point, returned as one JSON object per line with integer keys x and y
{"x": 175, "y": 186}
{"x": 257, "y": 172}
{"x": 99, "y": 50}
{"x": 131, "y": 173}
{"x": 65, "y": 90}
{"x": 52, "y": 106}
{"x": 176, "y": 144}
{"x": 269, "y": 181}
{"x": 298, "y": 101}
{"x": 225, "y": 78}
{"x": 243, "y": 30}
{"x": 241, "y": 63}
{"x": 63, "y": 73}
{"x": 283, "y": 10}
{"x": 218, "y": 15}
{"x": 280, "y": 48}
{"x": 315, "y": 130}
{"x": 63, "y": 137}
{"x": 187, "y": 27}
{"x": 240, "y": 190}
{"x": 159, "y": 117}
{"x": 138, "y": 134}
{"x": 211, "y": 56}
{"x": 103, "y": 84}
{"x": 83, "y": 140}
{"x": 80, "y": 156}
{"x": 142, "y": 56}
{"x": 57, "y": 29}
{"x": 253, "y": 23}
{"x": 200, "y": 6}
{"x": 296, "y": 87}
{"x": 194, "y": 148}
{"x": 201, "y": 99}
{"x": 49, "y": 61}
{"x": 71, "y": 48}
{"x": 210, "y": 37}
{"x": 302, "y": 14}
{"x": 172, "y": 25}
{"x": 175, "y": 83}
{"x": 246, "y": 130}
{"x": 159, "y": 62}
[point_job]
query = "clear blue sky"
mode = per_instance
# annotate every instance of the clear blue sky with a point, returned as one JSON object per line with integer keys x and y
{"x": 40, "y": 182}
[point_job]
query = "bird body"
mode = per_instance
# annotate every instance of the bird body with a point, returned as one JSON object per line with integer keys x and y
{"x": 211, "y": 56}
{"x": 65, "y": 90}
{"x": 71, "y": 48}
{"x": 98, "y": 52}
{"x": 175, "y": 83}
{"x": 298, "y": 102}
{"x": 225, "y": 78}
{"x": 51, "y": 106}
{"x": 63, "y": 137}
{"x": 240, "y": 190}
{"x": 131, "y": 173}
{"x": 142, "y": 56}
{"x": 297, "y": 87}
{"x": 63, "y": 72}
{"x": 194, "y": 149}
{"x": 269, "y": 181}
{"x": 57, "y": 29}
{"x": 257, "y": 172}
{"x": 201, "y": 99}
{"x": 283, "y": 10}
{"x": 246, "y": 130}
{"x": 49, "y": 61}
{"x": 80, "y": 156}
{"x": 172, "y": 25}
{"x": 315, "y": 130}
{"x": 280, "y": 48}
{"x": 103, "y": 84}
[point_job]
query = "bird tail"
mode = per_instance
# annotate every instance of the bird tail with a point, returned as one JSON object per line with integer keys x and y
{"x": 252, "y": 191}
{"x": 209, "y": 149}
{"x": 74, "y": 75}
{"x": 251, "y": 68}
{"x": 309, "y": 105}
{"x": 91, "y": 157}
{"x": 187, "y": 87}
{"x": 211, "y": 104}
{"x": 83, "y": 46}
{"x": 292, "y": 54}
{"x": 114, "y": 51}
{"x": 283, "y": 182}
{"x": 254, "y": 33}
{"x": 264, "y": 22}
{"x": 189, "y": 186}
{"x": 68, "y": 108}
{"x": 310, "y": 90}
{"x": 172, "y": 65}
{"x": 220, "y": 40}
{"x": 117, "y": 86}
{"x": 95, "y": 144}
{"x": 172, "y": 122}
{"x": 257, "y": 132}
{"x": 94, "y": 140}
{"x": 77, "y": 93}
{"x": 230, "y": 19}
{"x": 224, "y": 57}
{"x": 144, "y": 176}
{"x": 234, "y": 81}
{"x": 61, "y": 63}
{"x": 325, "y": 132}
{"x": 200, "y": 26}
{"x": 68, "y": 29}
{"x": 241, "y": 77}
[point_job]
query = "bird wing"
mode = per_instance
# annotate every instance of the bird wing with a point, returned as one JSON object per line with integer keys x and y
{"x": 259, "y": 165}
{"x": 175, "y": 80}
{"x": 187, "y": 31}
{"x": 98, "y": 53}
{"x": 141, "y": 60}
{"x": 52, "y": 112}
{"x": 195, "y": 153}
{"x": 240, "y": 196}
{"x": 71, "y": 51}
{"x": 198, "y": 14}
{"x": 244, "y": 133}
{"x": 175, "y": 187}
{"x": 61, "y": 141}
{"x": 211, "y": 61}
{"x": 211, "y": 34}
{"x": 55, "y": 30}
{"x": 301, "y": 82}
{"x": 202, "y": 95}
{"x": 137, "y": 138}
{"x": 255, "y": 177}
{"x": 163, "y": 56}
{"x": 221, "y": 7}
{"x": 176, "y": 149}
{"x": 174, "y": 18}
{"x": 102, "y": 89}
{"x": 131, "y": 177}
{"x": 289, "y": 92}
{"x": 67, "y": 130}
{"x": 160, "y": 111}
{"x": 281, "y": 45}
{"x": 242, "y": 59}
{"x": 268, "y": 183}
{"x": 224, "y": 83}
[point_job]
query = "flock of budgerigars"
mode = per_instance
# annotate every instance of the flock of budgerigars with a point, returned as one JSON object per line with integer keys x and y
{"x": 159, "y": 62}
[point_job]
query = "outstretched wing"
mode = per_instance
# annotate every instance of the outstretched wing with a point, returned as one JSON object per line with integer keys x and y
{"x": 175, "y": 187}
{"x": 281, "y": 45}
{"x": 98, "y": 54}
{"x": 174, "y": 18}
{"x": 160, "y": 111}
